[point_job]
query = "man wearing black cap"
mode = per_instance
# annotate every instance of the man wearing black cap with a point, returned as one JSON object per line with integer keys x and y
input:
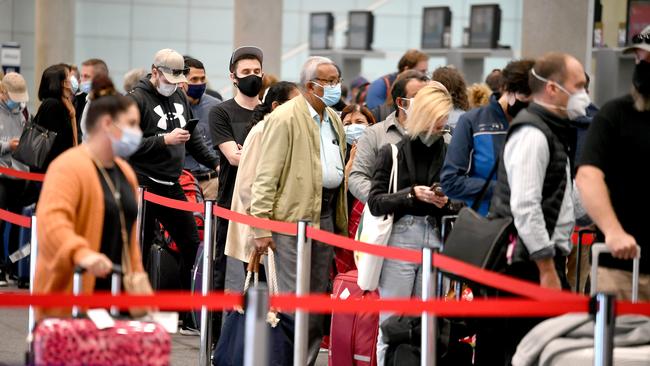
{"x": 229, "y": 123}
{"x": 609, "y": 178}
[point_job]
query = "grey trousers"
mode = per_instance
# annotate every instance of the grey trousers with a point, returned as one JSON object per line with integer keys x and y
{"x": 321, "y": 260}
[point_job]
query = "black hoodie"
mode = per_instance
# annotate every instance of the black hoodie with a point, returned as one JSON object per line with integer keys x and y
{"x": 160, "y": 115}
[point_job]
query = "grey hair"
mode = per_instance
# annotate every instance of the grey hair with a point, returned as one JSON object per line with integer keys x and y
{"x": 308, "y": 71}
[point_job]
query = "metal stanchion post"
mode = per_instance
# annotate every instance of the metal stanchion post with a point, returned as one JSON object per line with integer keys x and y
{"x": 139, "y": 222}
{"x": 303, "y": 270}
{"x": 33, "y": 255}
{"x": 206, "y": 284}
{"x": 257, "y": 332}
{"x": 604, "y": 329}
{"x": 429, "y": 322}
{"x": 116, "y": 288}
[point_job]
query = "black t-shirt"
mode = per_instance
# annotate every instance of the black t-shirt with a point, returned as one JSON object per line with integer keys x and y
{"x": 112, "y": 242}
{"x": 618, "y": 143}
{"x": 228, "y": 122}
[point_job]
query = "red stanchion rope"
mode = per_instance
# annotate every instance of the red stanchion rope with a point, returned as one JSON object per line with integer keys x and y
{"x": 15, "y": 218}
{"x": 183, "y": 301}
{"x": 287, "y": 228}
{"x": 172, "y": 203}
{"x": 36, "y": 177}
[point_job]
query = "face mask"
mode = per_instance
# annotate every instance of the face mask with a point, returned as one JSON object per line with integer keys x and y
{"x": 195, "y": 91}
{"x": 249, "y": 85}
{"x": 516, "y": 107}
{"x": 14, "y": 107}
{"x": 85, "y": 86}
{"x": 353, "y": 132}
{"x": 406, "y": 110}
{"x": 429, "y": 139}
{"x": 75, "y": 84}
{"x": 165, "y": 89}
{"x": 128, "y": 144}
{"x": 331, "y": 94}
{"x": 641, "y": 78}
{"x": 578, "y": 102}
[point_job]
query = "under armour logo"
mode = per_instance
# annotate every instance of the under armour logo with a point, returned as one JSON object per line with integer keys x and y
{"x": 169, "y": 116}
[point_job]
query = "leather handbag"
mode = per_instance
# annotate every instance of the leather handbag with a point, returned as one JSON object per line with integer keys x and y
{"x": 34, "y": 145}
{"x": 480, "y": 241}
{"x": 374, "y": 230}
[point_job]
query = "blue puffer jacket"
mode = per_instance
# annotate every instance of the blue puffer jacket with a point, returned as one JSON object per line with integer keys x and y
{"x": 478, "y": 140}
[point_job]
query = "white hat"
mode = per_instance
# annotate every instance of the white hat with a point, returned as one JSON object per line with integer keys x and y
{"x": 16, "y": 87}
{"x": 171, "y": 64}
{"x": 640, "y": 41}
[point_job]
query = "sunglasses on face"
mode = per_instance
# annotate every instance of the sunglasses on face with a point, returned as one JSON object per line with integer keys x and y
{"x": 175, "y": 72}
{"x": 641, "y": 38}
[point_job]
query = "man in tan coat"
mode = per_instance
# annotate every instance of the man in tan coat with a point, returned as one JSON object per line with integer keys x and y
{"x": 300, "y": 177}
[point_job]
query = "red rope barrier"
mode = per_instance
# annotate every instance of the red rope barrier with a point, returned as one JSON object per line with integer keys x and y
{"x": 172, "y": 203}
{"x": 15, "y": 218}
{"x": 36, "y": 177}
{"x": 184, "y": 301}
{"x": 287, "y": 228}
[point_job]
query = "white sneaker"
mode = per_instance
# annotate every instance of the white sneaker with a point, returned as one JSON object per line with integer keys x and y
{"x": 187, "y": 331}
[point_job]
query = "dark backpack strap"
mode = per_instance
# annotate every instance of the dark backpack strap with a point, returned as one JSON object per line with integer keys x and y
{"x": 481, "y": 194}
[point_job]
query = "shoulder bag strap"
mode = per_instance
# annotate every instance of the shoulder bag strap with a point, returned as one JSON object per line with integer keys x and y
{"x": 481, "y": 194}
{"x": 392, "y": 185}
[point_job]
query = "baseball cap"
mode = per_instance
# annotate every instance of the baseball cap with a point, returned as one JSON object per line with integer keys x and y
{"x": 16, "y": 87}
{"x": 240, "y": 52}
{"x": 358, "y": 82}
{"x": 640, "y": 41}
{"x": 171, "y": 64}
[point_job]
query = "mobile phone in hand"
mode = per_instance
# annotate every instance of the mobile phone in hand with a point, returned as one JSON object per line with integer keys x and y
{"x": 437, "y": 189}
{"x": 191, "y": 125}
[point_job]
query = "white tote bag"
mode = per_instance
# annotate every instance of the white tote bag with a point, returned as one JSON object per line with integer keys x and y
{"x": 374, "y": 230}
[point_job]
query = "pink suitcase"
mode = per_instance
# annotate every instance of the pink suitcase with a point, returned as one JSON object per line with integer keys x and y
{"x": 76, "y": 341}
{"x": 353, "y": 337}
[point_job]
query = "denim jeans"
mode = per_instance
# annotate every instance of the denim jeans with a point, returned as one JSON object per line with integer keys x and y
{"x": 404, "y": 279}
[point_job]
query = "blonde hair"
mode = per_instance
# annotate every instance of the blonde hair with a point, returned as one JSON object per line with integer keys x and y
{"x": 431, "y": 105}
{"x": 478, "y": 95}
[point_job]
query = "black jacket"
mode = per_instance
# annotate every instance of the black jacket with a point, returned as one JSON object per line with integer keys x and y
{"x": 160, "y": 115}
{"x": 399, "y": 204}
{"x": 54, "y": 116}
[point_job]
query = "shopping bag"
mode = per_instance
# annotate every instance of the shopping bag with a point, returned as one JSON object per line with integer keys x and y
{"x": 374, "y": 230}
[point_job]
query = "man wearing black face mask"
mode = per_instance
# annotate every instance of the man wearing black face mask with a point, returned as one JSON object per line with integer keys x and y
{"x": 479, "y": 137}
{"x": 201, "y": 104}
{"x": 609, "y": 178}
{"x": 229, "y": 123}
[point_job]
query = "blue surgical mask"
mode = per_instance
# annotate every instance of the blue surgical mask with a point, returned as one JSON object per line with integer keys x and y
{"x": 353, "y": 132}
{"x": 128, "y": 144}
{"x": 331, "y": 94}
{"x": 195, "y": 91}
{"x": 74, "y": 83}
{"x": 14, "y": 107}
{"x": 85, "y": 86}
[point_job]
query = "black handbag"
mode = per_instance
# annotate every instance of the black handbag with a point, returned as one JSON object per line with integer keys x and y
{"x": 34, "y": 145}
{"x": 478, "y": 240}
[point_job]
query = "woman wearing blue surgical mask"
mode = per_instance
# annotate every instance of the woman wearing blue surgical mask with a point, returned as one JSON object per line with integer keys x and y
{"x": 87, "y": 210}
{"x": 356, "y": 118}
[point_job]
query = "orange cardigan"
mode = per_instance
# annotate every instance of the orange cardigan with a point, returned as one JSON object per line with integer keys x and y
{"x": 70, "y": 219}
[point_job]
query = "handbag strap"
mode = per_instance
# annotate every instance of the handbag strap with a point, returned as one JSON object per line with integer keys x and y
{"x": 252, "y": 271}
{"x": 392, "y": 185}
{"x": 481, "y": 193}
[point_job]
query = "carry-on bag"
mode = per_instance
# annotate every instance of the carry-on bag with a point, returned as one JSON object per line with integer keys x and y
{"x": 78, "y": 341}
{"x": 353, "y": 337}
{"x": 375, "y": 230}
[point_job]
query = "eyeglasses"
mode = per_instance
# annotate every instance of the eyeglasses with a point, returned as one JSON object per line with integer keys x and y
{"x": 330, "y": 83}
{"x": 641, "y": 38}
{"x": 175, "y": 72}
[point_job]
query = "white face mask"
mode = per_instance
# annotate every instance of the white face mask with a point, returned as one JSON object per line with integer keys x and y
{"x": 164, "y": 88}
{"x": 578, "y": 102}
{"x": 128, "y": 143}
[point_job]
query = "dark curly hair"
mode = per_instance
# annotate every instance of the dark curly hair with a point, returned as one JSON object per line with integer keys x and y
{"x": 454, "y": 81}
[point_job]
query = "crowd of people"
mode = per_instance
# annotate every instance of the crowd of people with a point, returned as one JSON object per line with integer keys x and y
{"x": 306, "y": 151}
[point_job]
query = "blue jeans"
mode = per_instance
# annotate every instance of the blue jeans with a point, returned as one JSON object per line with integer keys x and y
{"x": 404, "y": 279}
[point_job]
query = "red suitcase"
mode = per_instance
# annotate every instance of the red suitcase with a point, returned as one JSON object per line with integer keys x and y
{"x": 76, "y": 341}
{"x": 353, "y": 337}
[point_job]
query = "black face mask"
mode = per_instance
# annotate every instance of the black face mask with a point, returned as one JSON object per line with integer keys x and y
{"x": 641, "y": 77}
{"x": 516, "y": 108}
{"x": 249, "y": 85}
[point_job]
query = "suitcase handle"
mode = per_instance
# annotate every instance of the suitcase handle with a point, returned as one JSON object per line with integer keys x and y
{"x": 596, "y": 250}
{"x": 77, "y": 284}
